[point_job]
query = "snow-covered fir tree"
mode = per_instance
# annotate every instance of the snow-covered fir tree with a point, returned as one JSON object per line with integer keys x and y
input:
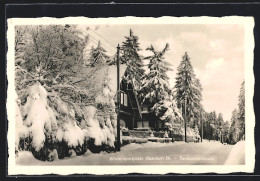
{"x": 213, "y": 125}
{"x": 168, "y": 112}
{"x": 156, "y": 89}
{"x": 106, "y": 111}
{"x": 188, "y": 88}
{"x": 131, "y": 57}
{"x": 21, "y": 131}
{"x": 237, "y": 128}
{"x": 98, "y": 56}
{"x": 234, "y": 128}
{"x": 226, "y": 127}
{"x": 198, "y": 106}
{"x": 220, "y": 126}
{"x": 241, "y": 110}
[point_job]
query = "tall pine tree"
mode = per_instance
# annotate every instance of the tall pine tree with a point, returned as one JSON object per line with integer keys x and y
{"x": 213, "y": 125}
{"x": 241, "y": 110}
{"x": 188, "y": 87}
{"x": 98, "y": 56}
{"x": 220, "y": 126}
{"x": 234, "y": 128}
{"x": 155, "y": 87}
{"x": 132, "y": 59}
{"x": 237, "y": 128}
{"x": 226, "y": 131}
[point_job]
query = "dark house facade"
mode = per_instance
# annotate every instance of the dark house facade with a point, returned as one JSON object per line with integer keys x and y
{"x": 132, "y": 114}
{"x": 130, "y": 109}
{"x": 149, "y": 119}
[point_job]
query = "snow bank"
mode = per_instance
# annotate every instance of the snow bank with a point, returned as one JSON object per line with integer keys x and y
{"x": 174, "y": 151}
{"x": 149, "y": 144}
{"x": 26, "y": 158}
{"x": 237, "y": 154}
{"x": 132, "y": 146}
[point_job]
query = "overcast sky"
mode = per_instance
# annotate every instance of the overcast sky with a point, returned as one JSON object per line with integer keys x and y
{"x": 216, "y": 52}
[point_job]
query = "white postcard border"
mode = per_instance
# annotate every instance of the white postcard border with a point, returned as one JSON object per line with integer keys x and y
{"x": 248, "y": 23}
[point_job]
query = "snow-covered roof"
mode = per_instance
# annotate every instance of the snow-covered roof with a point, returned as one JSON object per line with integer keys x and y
{"x": 99, "y": 76}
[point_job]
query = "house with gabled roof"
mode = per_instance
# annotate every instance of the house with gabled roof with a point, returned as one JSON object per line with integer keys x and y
{"x": 130, "y": 109}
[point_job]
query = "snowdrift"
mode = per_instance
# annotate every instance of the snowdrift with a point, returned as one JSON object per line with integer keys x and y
{"x": 237, "y": 154}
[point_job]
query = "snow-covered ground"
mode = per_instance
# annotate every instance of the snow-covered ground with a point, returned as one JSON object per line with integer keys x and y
{"x": 212, "y": 153}
{"x": 237, "y": 154}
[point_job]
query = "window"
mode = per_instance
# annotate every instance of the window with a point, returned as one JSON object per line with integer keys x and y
{"x": 123, "y": 98}
{"x": 145, "y": 109}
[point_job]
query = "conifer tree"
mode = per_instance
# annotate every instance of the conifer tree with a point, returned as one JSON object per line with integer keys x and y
{"x": 237, "y": 128}
{"x": 188, "y": 87}
{"x": 241, "y": 110}
{"x": 234, "y": 128}
{"x": 106, "y": 111}
{"x": 226, "y": 131}
{"x": 132, "y": 59}
{"x": 98, "y": 56}
{"x": 155, "y": 87}
{"x": 213, "y": 125}
{"x": 220, "y": 126}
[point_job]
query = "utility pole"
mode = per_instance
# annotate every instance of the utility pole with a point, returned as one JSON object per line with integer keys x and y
{"x": 118, "y": 100}
{"x": 185, "y": 120}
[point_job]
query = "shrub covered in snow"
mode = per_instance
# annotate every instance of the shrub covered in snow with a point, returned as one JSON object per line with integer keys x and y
{"x": 168, "y": 112}
{"x": 40, "y": 118}
{"x": 51, "y": 128}
{"x": 48, "y": 126}
{"x": 21, "y": 131}
{"x": 101, "y": 121}
{"x": 190, "y": 133}
{"x": 53, "y": 92}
